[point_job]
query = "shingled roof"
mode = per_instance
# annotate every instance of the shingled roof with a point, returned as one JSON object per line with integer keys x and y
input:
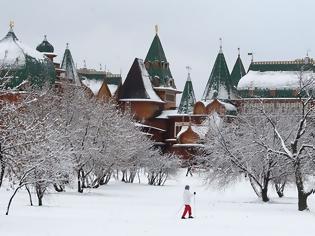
{"x": 137, "y": 86}
{"x": 157, "y": 64}
{"x": 238, "y": 71}
{"x": 188, "y": 99}
{"x": 219, "y": 83}
{"x": 69, "y": 67}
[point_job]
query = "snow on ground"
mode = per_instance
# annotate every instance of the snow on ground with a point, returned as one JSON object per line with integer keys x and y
{"x": 139, "y": 209}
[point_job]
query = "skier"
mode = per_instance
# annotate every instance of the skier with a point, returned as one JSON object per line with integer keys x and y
{"x": 187, "y": 199}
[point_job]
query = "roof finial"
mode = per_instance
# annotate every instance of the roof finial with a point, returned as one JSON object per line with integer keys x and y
{"x": 45, "y": 37}
{"x": 84, "y": 64}
{"x": 67, "y": 47}
{"x": 220, "y": 45}
{"x": 188, "y": 68}
{"x": 307, "y": 52}
{"x": 252, "y": 56}
{"x": 11, "y": 25}
{"x": 156, "y": 29}
{"x": 239, "y": 51}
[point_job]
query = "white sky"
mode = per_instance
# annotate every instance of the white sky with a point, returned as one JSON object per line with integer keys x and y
{"x": 114, "y": 32}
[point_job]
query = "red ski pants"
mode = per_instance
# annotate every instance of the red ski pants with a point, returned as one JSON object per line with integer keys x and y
{"x": 187, "y": 209}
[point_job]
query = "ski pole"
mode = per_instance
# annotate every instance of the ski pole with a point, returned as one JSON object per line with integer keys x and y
{"x": 195, "y": 204}
{"x": 179, "y": 209}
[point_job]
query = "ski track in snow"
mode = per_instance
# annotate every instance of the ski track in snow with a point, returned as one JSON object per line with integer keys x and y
{"x": 139, "y": 209}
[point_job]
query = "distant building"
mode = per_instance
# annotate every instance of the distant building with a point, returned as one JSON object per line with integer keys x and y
{"x": 276, "y": 84}
{"x": 101, "y": 83}
{"x": 21, "y": 65}
{"x": 149, "y": 90}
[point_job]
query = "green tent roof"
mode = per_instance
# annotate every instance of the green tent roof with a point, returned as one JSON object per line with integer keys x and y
{"x": 238, "y": 71}
{"x": 156, "y": 52}
{"x": 188, "y": 99}
{"x": 219, "y": 81}
{"x": 69, "y": 66}
{"x": 158, "y": 66}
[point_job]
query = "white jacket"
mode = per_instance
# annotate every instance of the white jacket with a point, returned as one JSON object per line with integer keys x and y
{"x": 187, "y": 197}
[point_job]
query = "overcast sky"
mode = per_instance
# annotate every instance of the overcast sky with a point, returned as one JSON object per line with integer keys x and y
{"x": 114, "y": 32}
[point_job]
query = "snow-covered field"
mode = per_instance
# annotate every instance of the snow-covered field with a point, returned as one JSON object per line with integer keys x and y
{"x": 139, "y": 209}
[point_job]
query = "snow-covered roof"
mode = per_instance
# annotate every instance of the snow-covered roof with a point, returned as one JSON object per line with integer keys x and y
{"x": 93, "y": 85}
{"x": 112, "y": 88}
{"x": 140, "y": 100}
{"x": 148, "y": 126}
{"x": 13, "y": 52}
{"x": 147, "y": 82}
{"x": 50, "y": 53}
{"x": 166, "y": 113}
{"x": 271, "y": 80}
{"x": 137, "y": 86}
{"x": 222, "y": 93}
{"x": 201, "y": 130}
{"x": 213, "y": 121}
{"x": 168, "y": 88}
{"x": 70, "y": 68}
{"x": 227, "y": 106}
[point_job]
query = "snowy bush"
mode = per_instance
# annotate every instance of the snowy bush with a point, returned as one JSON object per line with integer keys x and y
{"x": 159, "y": 167}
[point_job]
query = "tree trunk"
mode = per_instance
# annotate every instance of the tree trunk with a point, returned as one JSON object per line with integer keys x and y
{"x": 29, "y": 194}
{"x": 80, "y": 184}
{"x": 123, "y": 179}
{"x": 106, "y": 178}
{"x": 11, "y": 198}
{"x": 2, "y": 166}
{"x": 280, "y": 188}
{"x": 189, "y": 171}
{"x": 2, "y": 169}
{"x": 302, "y": 201}
{"x": 59, "y": 188}
{"x": 264, "y": 189}
{"x": 264, "y": 194}
{"x": 258, "y": 193}
{"x": 40, "y": 200}
{"x": 302, "y": 195}
{"x": 40, "y": 190}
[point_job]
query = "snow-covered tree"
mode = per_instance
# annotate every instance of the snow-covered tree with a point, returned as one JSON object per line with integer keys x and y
{"x": 38, "y": 158}
{"x": 296, "y": 137}
{"x": 234, "y": 150}
{"x": 102, "y": 138}
{"x": 160, "y": 167}
{"x": 267, "y": 146}
{"x": 8, "y": 113}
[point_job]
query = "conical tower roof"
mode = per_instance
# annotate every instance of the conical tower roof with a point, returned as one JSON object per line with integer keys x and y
{"x": 157, "y": 64}
{"x": 219, "y": 81}
{"x": 238, "y": 71}
{"x": 20, "y": 63}
{"x": 69, "y": 67}
{"x": 45, "y": 46}
{"x": 188, "y": 98}
{"x": 137, "y": 85}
